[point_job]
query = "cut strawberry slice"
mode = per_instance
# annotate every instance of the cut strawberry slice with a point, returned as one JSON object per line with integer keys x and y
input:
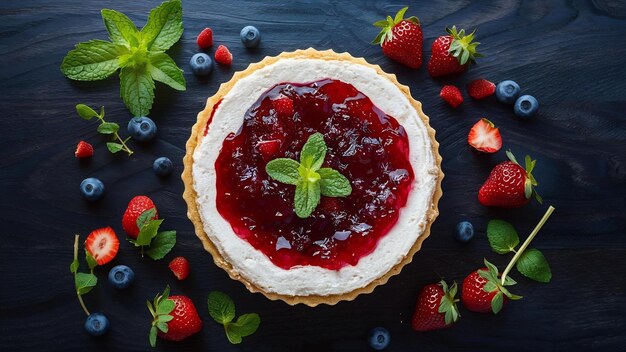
{"x": 268, "y": 148}
{"x": 485, "y": 137}
{"x": 102, "y": 244}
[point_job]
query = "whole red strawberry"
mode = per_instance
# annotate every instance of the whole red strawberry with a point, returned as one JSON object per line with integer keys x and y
{"x": 136, "y": 207}
{"x": 483, "y": 291}
{"x": 180, "y": 267}
{"x": 174, "y": 318}
{"x": 509, "y": 185}
{"x": 480, "y": 88}
{"x": 401, "y": 39}
{"x": 452, "y": 53}
{"x": 451, "y": 95}
{"x": 436, "y": 307}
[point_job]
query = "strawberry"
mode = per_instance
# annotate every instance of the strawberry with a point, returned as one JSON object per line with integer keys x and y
{"x": 452, "y": 53}
{"x": 174, "y": 318}
{"x": 436, "y": 307}
{"x": 484, "y": 136}
{"x": 509, "y": 185}
{"x": 451, "y": 95}
{"x": 83, "y": 150}
{"x": 223, "y": 56}
{"x": 283, "y": 106}
{"x": 480, "y": 88}
{"x": 180, "y": 267}
{"x": 268, "y": 148}
{"x": 401, "y": 39}
{"x": 102, "y": 244}
{"x": 136, "y": 207}
{"x": 483, "y": 291}
{"x": 205, "y": 38}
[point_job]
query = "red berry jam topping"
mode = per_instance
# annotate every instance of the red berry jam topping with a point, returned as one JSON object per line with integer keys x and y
{"x": 364, "y": 144}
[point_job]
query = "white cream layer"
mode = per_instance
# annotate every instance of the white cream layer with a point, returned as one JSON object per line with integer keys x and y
{"x": 312, "y": 280}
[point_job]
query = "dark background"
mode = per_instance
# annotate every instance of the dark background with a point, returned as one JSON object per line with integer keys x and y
{"x": 569, "y": 54}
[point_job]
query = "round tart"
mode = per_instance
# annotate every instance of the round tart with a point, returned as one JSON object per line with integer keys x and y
{"x": 376, "y": 136}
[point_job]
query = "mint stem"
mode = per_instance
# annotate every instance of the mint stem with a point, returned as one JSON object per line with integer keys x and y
{"x": 521, "y": 249}
{"x": 117, "y": 136}
{"x": 80, "y": 298}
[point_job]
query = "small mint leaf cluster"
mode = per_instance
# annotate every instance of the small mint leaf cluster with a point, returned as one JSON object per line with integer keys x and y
{"x": 105, "y": 128}
{"x": 222, "y": 310}
{"x": 159, "y": 243}
{"x": 531, "y": 263}
{"x": 84, "y": 282}
{"x": 140, "y": 55}
{"x": 311, "y": 180}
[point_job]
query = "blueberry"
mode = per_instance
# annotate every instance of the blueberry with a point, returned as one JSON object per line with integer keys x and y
{"x": 464, "y": 231}
{"x": 507, "y": 91}
{"x": 162, "y": 166}
{"x": 96, "y": 324}
{"x": 142, "y": 128}
{"x": 526, "y": 106}
{"x": 250, "y": 36}
{"x": 201, "y": 64}
{"x": 379, "y": 338}
{"x": 121, "y": 276}
{"x": 92, "y": 189}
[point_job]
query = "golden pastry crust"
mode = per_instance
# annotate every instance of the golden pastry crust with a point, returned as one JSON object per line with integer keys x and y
{"x": 190, "y": 195}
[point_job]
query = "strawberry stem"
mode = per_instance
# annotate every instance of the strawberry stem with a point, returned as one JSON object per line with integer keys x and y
{"x": 521, "y": 249}
{"x": 80, "y": 298}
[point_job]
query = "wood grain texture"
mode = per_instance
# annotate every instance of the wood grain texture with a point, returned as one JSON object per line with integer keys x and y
{"x": 569, "y": 54}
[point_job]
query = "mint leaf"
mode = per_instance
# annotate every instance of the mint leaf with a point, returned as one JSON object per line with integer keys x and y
{"x": 114, "y": 147}
{"x": 246, "y": 325}
{"x": 313, "y": 152}
{"x": 86, "y": 112}
{"x": 163, "y": 69}
{"x": 92, "y": 60}
{"x": 145, "y": 217}
{"x": 283, "y": 170}
{"x": 91, "y": 261}
{"x": 307, "y": 198}
{"x": 137, "y": 90}
{"x": 108, "y": 128}
{"x": 164, "y": 26}
{"x": 221, "y": 307}
{"x": 162, "y": 244}
{"x": 534, "y": 266}
{"x": 502, "y": 236}
{"x": 85, "y": 282}
{"x": 121, "y": 29}
{"x": 333, "y": 184}
{"x": 147, "y": 232}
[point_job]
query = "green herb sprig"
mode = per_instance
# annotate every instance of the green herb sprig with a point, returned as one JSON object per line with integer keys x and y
{"x": 159, "y": 243}
{"x": 531, "y": 263}
{"x": 140, "y": 55}
{"x": 311, "y": 180}
{"x": 84, "y": 282}
{"x": 105, "y": 128}
{"x": 222, "y": 310}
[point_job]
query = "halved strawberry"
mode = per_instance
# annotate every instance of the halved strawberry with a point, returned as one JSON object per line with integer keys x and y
{"x": 485, "y": 137}
{"x": 268, "y": 148}
{"x": 480, "y": 88}
{"x": 102, "y": 244}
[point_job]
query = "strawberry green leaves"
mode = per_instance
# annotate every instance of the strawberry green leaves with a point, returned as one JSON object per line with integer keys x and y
{"x": 160, "y": 310}
{"x": 105, "y": 128}
{"x": 311, "y": 180}
{"x": 448, "y": 303}
{"x": 139, "y": 54}
{"x": 494, "y": 284}
{"x": 222, "y": 310}
{"x": 83, "y": 282}
{"x": 159, "y": 243}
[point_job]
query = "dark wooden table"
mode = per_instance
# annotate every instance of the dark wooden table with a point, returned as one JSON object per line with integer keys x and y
{"x": 570, "y": 55}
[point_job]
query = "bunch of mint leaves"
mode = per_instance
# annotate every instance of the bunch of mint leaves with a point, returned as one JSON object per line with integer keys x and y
{"x": 222, "y": 310}
{"x": 159, "y": 243}
{"x": 503, "y": 239}
{"x": 311, "y": 179}
{"x": 140, "y": 55}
